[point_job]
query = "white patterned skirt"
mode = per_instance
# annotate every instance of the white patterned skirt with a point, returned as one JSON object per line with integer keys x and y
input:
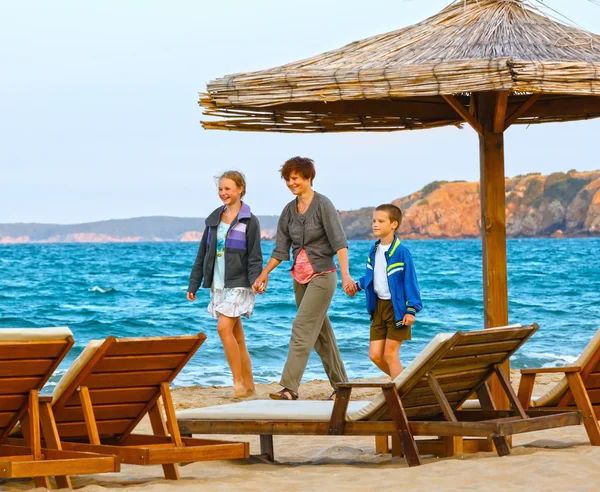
{"x": 235, "y": 302}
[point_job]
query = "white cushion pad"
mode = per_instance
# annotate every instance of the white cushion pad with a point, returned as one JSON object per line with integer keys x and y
{"x": 313, "y": 410}
{"x": 34, "y": 334}
{"x": 75, "y": 368}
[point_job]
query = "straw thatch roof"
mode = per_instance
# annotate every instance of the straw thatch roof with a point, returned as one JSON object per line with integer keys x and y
{"x": 397, "y": 80}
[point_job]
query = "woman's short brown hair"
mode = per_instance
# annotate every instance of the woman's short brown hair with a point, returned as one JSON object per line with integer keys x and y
{"x": 393, "y": 212}
{"x": 237, "y": 177}
{"x": 304, "y": 166}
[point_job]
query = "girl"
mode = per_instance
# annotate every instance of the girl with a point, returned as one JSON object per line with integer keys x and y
{"x": 229, "y": 260}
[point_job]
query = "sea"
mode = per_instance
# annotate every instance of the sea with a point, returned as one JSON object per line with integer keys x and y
{"x": 139, "y": 289}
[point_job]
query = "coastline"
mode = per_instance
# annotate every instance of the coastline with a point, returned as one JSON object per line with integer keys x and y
{"x": 193, "y": 237}
{"x": 558, "y": 459}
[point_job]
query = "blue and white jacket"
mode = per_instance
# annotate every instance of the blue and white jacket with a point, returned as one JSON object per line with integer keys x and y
{"x": 402, "y": 279}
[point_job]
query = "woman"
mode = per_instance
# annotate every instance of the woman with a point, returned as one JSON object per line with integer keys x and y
{"x": 311, "y": 227}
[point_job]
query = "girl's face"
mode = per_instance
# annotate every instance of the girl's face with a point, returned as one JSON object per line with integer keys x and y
{"x": 297, "y": 183}
{"x": 229, "y": 192}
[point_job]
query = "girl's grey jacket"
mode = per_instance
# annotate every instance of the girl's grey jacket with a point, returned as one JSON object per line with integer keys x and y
{"x": 243, "y": 257}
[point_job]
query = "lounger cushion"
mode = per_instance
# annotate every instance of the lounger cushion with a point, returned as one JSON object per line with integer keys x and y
{"x": 75, "y": 368}
{"x": 554, "y": 395}
{"x": 34, "y": 334}
{"x": 303, "y": 410}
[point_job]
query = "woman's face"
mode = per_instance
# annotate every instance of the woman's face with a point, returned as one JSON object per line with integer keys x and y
{"x": 229, "y": 192}
{"x": 297, "y": 183}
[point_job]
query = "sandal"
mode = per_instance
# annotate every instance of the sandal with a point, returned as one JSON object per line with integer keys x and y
{"x": 284, "y": 394}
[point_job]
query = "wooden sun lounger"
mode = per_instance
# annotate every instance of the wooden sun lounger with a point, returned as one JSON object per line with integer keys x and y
{"x": 424, "y": 400}
{"x": 113, "y": 385}
{"x": 580, "y": 388}
{"x": 28, "y": 357}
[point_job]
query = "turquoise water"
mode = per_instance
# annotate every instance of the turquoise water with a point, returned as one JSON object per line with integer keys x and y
{"x": 139, "y": 290}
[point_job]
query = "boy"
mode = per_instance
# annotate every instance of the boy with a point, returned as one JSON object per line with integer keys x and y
{"x": 392, "y": 291}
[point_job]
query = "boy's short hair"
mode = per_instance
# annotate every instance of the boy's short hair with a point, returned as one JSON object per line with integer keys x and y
{"x": 304, "y": 166}
{"x": 394, "y": 212}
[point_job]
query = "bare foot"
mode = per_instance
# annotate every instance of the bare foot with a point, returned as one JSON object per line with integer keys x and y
{"x": 239, "y": 392}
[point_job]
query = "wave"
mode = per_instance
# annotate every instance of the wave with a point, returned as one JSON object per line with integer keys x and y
{"x": 102, "y": 290}
{"x": 90, "y": 308}
{"x": 550, "y": 356}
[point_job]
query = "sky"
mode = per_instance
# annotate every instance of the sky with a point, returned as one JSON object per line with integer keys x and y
{"x": 99, "y": 116}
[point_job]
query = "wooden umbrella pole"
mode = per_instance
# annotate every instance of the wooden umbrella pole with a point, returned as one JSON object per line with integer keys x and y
{"x": 493, "y": 226}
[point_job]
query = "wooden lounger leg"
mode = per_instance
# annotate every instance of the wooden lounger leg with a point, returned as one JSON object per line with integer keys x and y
{"x": 526, "y": 390}
{"x": 382, "y": 444}
{"x": 88, "y": 415}
{"x": 52, "y": 439}
{"x": 582, "y": 400}
{"x": 338, "y": 414}
{"x": 160, "y": 429}
{"x": 396, "y": 448}
{"x": 510, "y": 392}
{"x": 502, "y": 445}
{"x": 172, "y": 427}
{"x": 31, "y": 432}
{"x": 451, "y": 444}
{"x": 267, "y": 450}
{"x": 411, "y": 452}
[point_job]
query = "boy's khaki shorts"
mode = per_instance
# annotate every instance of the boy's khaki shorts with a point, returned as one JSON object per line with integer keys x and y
{"x": 383, "y": 325}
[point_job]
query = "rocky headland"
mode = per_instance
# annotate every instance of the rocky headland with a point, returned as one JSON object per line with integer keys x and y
{"x": 557, "y": 205}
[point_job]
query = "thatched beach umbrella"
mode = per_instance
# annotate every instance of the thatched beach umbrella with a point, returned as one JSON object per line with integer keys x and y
{"x": 487, "y": 63}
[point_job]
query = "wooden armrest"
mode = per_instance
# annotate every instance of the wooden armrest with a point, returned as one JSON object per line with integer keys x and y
{"x": 543, "y": 370}
{"x": 365, "y": 385}
{"x": 45, "y": 399}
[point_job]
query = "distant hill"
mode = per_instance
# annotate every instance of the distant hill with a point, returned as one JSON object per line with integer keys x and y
{"x": 122, "y": 230}
{"x": 558, "y": 205}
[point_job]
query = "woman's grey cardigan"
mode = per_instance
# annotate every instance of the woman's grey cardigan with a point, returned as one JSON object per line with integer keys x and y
{"x": 319, "y": 231}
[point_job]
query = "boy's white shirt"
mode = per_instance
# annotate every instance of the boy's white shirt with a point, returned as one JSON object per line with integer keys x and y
{"x": 380, "y": 279}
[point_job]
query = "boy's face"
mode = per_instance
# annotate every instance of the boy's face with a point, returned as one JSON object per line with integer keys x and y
{"x": 382, "y": 226}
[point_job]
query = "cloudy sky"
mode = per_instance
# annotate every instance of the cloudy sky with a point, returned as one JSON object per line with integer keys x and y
{"x": 99, "y": 116}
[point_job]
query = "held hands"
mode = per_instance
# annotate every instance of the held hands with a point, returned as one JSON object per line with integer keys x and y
{"x": 260, "y": 284}
{"x": 191, "y": 296}
{"x": 408, "y": 319}
{"x": 349, "y": 286}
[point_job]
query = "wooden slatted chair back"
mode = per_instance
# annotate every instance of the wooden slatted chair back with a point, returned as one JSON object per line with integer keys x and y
{"x": 466, "y": 363}
{"x": 123, "y": 379}
{"x": 590, "y": 375}
{"x": 25, "y": 366}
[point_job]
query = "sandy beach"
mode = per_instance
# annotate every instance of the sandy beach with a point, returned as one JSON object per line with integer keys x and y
{"x": 558, "y": 459}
